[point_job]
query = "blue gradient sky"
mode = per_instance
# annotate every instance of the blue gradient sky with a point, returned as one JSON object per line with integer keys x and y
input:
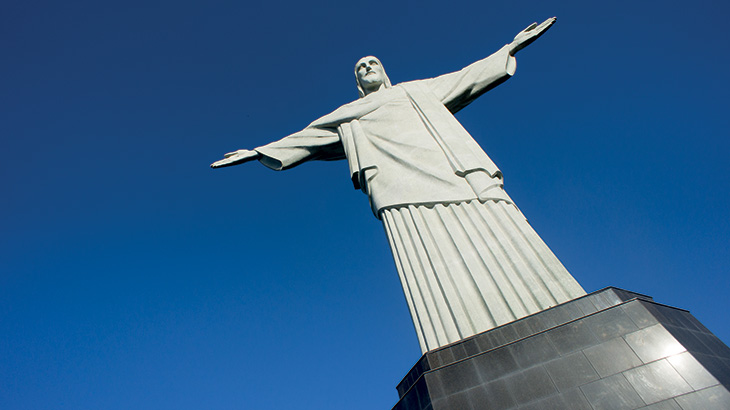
{"x": 134, "y": 276}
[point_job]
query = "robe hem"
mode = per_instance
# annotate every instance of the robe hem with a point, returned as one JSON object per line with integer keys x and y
{"x": 431, "y": 204}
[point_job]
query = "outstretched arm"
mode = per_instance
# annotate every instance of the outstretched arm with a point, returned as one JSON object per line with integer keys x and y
{"x": 525, "y": 37}
{"x": 235, "y": 158}
{"x": 457, "y": 90}
{"x": 311, "y": 143}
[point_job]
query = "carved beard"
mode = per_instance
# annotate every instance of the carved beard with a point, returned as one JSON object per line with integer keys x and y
{"x": 386, "y": 80}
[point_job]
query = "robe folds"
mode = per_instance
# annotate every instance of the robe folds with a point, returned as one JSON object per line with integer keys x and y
{"x": 467, "y": 258}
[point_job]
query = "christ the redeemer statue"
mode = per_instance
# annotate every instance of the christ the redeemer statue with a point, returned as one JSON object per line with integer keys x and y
{"x": 467, "y": 258}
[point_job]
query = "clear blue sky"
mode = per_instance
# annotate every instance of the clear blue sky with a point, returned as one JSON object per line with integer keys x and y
{"x": 134, "y": 276}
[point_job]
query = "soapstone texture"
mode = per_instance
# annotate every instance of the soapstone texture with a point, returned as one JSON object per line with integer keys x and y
{"x": 471, "y": 266}
{"x": 467, "y": 258}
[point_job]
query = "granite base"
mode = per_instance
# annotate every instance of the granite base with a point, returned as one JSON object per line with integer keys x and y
{"x": 610, "y": 349}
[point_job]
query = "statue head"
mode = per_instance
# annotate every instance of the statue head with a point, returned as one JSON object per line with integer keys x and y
{"x": 370, "y": 76}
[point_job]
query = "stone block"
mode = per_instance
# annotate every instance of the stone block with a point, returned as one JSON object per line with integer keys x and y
{"x": 611, "y": 349}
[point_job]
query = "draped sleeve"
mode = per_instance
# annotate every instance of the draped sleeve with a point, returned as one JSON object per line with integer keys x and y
{"x": 312, "y": 143}
{"x": 321, "y": 140}
{"x": 457, "y": 90}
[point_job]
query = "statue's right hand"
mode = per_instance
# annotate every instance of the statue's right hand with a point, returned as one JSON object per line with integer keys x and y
{"x": 235, "y": 158}
{"x": 530, "y": 34}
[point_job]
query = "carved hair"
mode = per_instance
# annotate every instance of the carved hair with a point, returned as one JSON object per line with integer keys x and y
{"x": 361, "y": 90}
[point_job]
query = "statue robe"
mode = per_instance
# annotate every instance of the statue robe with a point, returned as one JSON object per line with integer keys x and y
{"x": 467, "y": 258}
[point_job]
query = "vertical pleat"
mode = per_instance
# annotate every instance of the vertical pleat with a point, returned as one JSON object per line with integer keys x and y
{"x": 569, "y": 288}
{"x": 496, "y": 289}
{"x": 427, "y": 316}
{"x": 463, "y": 259}
{"x": 431, "y": 288}
{"x": 532, "y": 271}
{"x": 469, "y": 267}
{"x": 505, "y": 253}
{"x": 444, "y": 292}
{"x": 404, "y": 273}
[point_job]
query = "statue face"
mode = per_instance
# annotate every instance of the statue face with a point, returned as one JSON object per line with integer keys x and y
{"x": 370, "y": 74}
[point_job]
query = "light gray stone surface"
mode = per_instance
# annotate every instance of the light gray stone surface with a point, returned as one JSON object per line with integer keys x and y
{"x": 467, "y": 258}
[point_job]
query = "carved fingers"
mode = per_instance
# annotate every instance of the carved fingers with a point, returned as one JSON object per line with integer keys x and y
{"x": 530, "y": 34}
{"x": 545, "y": 25}
{"x": 235, "y": 158}
{"x": 530, "y": 27}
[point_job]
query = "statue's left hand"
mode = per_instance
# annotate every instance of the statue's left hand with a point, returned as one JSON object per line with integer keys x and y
{"x": 235, "y": 158}
{"x": 525, "y": 37}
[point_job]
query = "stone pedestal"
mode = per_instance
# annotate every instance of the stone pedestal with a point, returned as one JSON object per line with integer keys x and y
{"x": 611, "y": 349}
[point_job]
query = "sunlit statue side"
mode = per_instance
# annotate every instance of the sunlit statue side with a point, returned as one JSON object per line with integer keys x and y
{"x": 467, "y": 258}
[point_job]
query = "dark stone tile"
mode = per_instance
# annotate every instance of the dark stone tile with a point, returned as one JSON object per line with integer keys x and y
{"x": 470, "y": 347}
{"x": 700, "y": 327}
{"x": 571, "y": 371}
{"x": 612, "y": 356}
{"x": 725, "y": 364}
{"x": 672, "y": 316}
{"x": 434, "y": 359}
{"x": 495, "y": 364}
{"x": 658, "y": 313}
{"x": 657, "y": 381}
{"x": 612, "y": 393}
{"x": 564, "y": 314}
{"x": 653, "y": 343}
{"x": 610, "y": 324}
{"x": 550, "y": 318}
{"x": 530, "y": 385}
{"x": 715, "y": 345}
{"x": 606, "y": 299}
{"x": 572, "y": 311}
{"x": 725, "y": 348}
{"x": 571, "y": 337}
{"x": 692, "y": 371}
{"x": 713, "y": 398}
{"x": 552, "y": 402}
{"x": 493, "y": 395}
{"x": 585, "y": 305}
{"x": 522, "y": 329}
{"x": 689, "y": 339}
{"x": 408, "y": 402}
{"x": 407, "y": 383}
{"x": 683, "y": 317}
{"x": 625, "y": 295}
{"x": 639, "y": 314}
{"x": 412, "y": 375}
{"x": 599, "y": 300}
{"x": 716, "y": 366}
{"x": 572, "y": 400}
{"x": 453, "y": 401}
{"x": 488, "y": 341}
{"x": 668, "y": 314}
{"x": 439, "y": 404}
{"x": 575, "y": 400}
{"x": 534, "y": 350}
{"x": 446, "y": 356}
{"x": 508, "y": 333}
{"x": 422, "y": 394}
{"x": 423, "y": 365}
{"x": 663, "y": 405}
{"x": 458, "y": 351}
{"x": 435, "y": 386}
{"x": 536, "y": 323}
{"x": 458, "y": 377}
